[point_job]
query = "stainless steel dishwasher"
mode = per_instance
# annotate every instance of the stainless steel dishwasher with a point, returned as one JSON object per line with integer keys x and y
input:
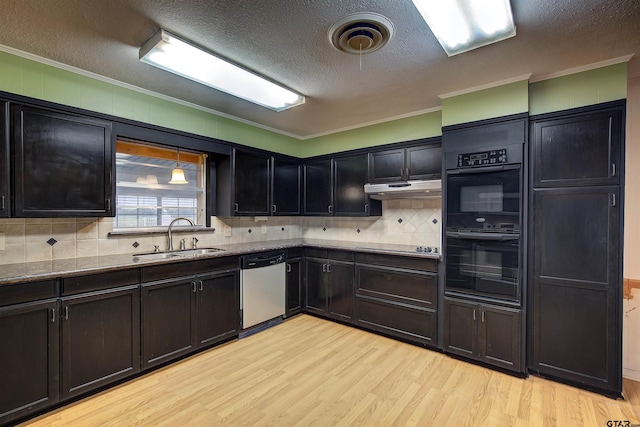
{"x": 262, "y": 288}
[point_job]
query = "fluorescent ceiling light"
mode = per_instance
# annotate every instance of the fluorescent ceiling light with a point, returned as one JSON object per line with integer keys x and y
{"x": 169, "y": 52}
{"x": 462, "y": 25}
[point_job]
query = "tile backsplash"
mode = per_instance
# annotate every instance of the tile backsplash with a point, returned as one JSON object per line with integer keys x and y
{"x": 403, "y": 221}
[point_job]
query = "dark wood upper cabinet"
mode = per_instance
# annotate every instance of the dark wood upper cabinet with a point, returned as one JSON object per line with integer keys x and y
{"x": 318, "y": 187}
{"x": 388, "y": 165}
{"x": 250, "y": 183}
{"x": 251, "y": 187}
{"x": 286, "y": 186}
{"x": 63, "y": 164}
{"x": 422, "y": 161}
{"x": 578, "y": 149}
{"x": 5, "y": 163}
{"x": 29, "y": 360}
{"x": 350, "y": 175}
{"x": 336, "y": 187}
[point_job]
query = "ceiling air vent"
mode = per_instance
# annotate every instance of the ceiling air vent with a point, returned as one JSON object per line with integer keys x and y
{"x": 361, "y": 33}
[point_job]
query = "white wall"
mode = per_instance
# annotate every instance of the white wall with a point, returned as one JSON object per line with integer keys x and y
{"x": 631, "y": 307}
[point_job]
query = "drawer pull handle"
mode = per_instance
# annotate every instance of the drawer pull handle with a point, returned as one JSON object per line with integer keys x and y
{"x": 288, "y": 268}
{"x": 201, "y": 285}
{"x": 66, "y": 312}
{"x": 53, "y": 315}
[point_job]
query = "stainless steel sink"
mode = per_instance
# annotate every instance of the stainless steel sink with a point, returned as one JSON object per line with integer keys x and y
{"x": 177, "y": 254}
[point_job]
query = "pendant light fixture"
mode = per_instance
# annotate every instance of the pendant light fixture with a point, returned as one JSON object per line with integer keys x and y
{"x": 177, "y": 174}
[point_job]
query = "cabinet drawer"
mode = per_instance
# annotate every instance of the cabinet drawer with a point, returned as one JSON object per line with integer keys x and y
{"x": 405, "y": 286}
{"x": 30, "y": 291}
{"x": 96, "y": 282}
{"x": 412, "y": 263}
{"x": 400, "y": 320}
{"x": 339, "y": 255}
{"x": 188, "y": 268}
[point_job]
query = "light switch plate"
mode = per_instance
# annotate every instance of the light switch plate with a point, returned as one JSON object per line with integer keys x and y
{"x": 227, "y": 231}
{"x": 264, "y": 229}
{"x": 2, "y": 242}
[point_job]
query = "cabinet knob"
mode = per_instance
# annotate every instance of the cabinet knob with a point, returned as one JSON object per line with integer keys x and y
{"x": 236, "y": 208}
{"x": 288, "y": 268}
{"x": 330, "y": 209}
{"x": 273, "y": 209}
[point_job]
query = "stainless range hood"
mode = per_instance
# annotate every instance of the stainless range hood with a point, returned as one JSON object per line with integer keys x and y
{"x": 405, "y": 190}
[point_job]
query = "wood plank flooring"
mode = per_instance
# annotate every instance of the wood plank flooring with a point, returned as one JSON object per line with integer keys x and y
{"x": 311, "y": 372}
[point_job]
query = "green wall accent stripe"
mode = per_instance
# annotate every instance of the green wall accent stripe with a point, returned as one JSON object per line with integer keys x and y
{"x": 579, "y": 90}
{"x": 511, "y": 98}
{"x": 30, "y": 78}
{"x": 416, "y": 127}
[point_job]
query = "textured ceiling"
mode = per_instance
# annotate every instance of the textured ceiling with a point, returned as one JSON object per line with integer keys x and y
{"x": 287, "y": 41}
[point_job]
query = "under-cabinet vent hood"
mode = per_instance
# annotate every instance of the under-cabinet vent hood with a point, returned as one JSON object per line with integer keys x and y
{"x": 405, "y": 190}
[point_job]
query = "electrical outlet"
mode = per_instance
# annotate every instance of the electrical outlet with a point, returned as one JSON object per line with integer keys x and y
{"x": 227, "y": 231}
{"x": 264, "y": 229}
{"x": 2, "y": 242}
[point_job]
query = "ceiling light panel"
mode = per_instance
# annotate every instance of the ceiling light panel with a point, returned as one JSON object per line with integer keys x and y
{"x": 463, "y": 25}
{"x": 171, "y": 53}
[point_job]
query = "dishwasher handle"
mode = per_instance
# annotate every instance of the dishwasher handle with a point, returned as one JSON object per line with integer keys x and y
{"x": 262, "y": 260}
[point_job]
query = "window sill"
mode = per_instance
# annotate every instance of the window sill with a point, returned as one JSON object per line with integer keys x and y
{"x": 159, "y": 230}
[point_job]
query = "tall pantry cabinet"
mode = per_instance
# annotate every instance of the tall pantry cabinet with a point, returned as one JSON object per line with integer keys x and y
{"x": 576, "y": 246}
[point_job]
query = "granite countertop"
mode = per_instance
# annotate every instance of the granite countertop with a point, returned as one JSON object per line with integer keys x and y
{"x": 43, "y": 270}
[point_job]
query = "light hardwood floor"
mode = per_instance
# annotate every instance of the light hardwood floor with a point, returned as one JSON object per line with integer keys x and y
{"x": 308, "y": 371}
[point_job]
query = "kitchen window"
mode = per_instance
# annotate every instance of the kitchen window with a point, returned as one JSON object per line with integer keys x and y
{"x": 145, "y": 198}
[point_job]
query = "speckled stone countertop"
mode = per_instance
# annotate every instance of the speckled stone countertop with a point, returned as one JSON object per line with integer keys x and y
{"x": 43, "y": 270}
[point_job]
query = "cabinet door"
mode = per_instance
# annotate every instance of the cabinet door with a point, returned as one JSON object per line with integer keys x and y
{"x": 252, "y": 172}
{"x": 579, "y": 149}
{"x": 100, "y": 339}
{"x": 29, "y": 364}
{"x": 576, "y": 283}
{"x": 218, "y": 307}
{"x": 351, "y": 175}
{"x": 63, "y": 164}
{"x": 294, "y": 286}
{"x": 316, "y": 287}
{"x": 5, "y": 177}
{"x": 340, "y": 277}
{"x": 387, "y": 165}
{"x": 460, "y": 328}
{"x": 424, "y": 162}
{"x": 500, "y": 332}
{"x": 168, "y": 320}
{"x": 286, "y": 187}
{"x": 318, "y": 193}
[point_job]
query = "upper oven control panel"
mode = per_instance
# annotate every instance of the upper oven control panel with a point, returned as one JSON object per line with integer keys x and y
{"x": 483, "y": 158}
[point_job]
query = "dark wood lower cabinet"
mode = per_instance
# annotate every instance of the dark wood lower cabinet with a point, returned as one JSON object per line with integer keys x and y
{"x": 294, "y": 287}
{"x": 168, "y": 316}
{"x": 218, "y": 307}
{"x": 184, "y": 314}
{"x": 100, "y": 339}
{"x": 490, "y": 334}
{"x": 398, "y": 296}
{"x": 329, "y": 285}
{"x": 29, "y": 359}
{"x": 403, "y": 321}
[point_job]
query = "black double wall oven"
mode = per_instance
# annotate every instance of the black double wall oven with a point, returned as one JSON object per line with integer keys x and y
{"x": 483, "y": 223}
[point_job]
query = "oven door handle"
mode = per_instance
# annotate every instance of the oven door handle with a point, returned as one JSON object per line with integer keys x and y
{"x": 482, "y": 236}
{"x": 482, "y": 169}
